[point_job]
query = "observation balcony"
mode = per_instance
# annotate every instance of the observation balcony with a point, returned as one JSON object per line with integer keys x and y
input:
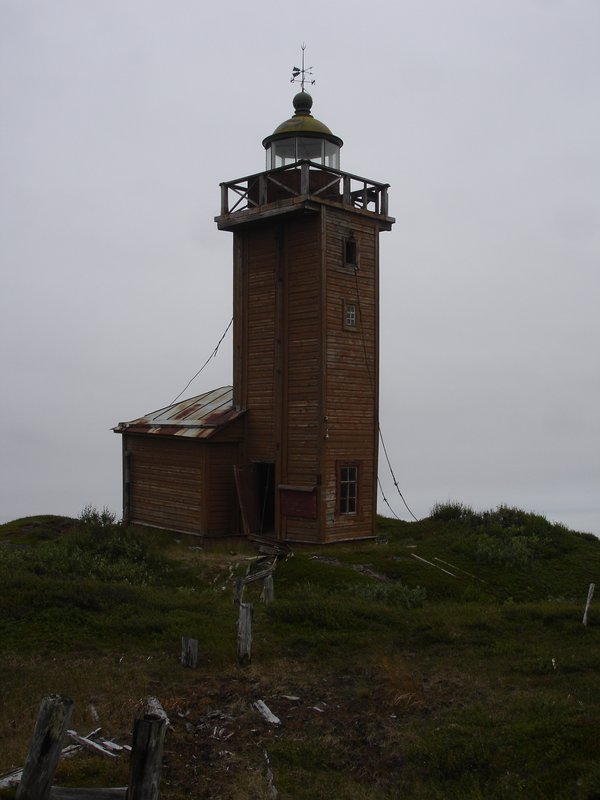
{"x": 294, "y": 186}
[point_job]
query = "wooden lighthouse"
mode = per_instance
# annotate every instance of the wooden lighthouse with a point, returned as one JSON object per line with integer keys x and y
{"x": 296, "y": 439}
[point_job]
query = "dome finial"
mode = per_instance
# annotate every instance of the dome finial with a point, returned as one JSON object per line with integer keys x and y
{"x": 302, "y": 75}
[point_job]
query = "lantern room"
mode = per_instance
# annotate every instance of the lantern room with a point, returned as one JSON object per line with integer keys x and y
{"x": 302, "y": 138}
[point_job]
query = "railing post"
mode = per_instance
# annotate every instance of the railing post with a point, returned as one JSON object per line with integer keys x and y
{"x": 384, "y": 200}
{"x": 262, "y": 190}
{"x": 346, "y": 198}
{"x": 224, "y": 199}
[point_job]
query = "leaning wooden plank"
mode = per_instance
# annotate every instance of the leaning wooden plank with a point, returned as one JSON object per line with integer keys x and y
{"x": 117, "y": 748}
{"x": 258, "y": 576}
{"x": 64, "y": 793}
{"x": 266, "y": 712}
{"x": 44, "y": 750}
{"x": 95, "y": 747}
{"x": 431, "y": 564}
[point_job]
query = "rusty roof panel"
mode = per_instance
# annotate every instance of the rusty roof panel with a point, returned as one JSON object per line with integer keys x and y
{"x": 197, "y": 417}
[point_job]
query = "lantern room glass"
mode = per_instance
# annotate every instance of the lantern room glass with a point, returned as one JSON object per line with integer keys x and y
{"x": 283, "y": 152}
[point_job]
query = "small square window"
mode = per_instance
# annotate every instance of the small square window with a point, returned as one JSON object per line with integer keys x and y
{"x": 350, "y": 315}
{"x": 348, "y": 489}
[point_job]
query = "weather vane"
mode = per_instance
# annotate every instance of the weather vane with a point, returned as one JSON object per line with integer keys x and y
{"x": 303, "y": 75}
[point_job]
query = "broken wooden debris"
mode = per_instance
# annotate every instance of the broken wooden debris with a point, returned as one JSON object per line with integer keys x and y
{"x": 92, "y": 745}
{"x": 266, "y": 712}
{"x": 34, "y": 781}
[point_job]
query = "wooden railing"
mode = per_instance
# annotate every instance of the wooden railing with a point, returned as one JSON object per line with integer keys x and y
{"x": 303, "y": 178}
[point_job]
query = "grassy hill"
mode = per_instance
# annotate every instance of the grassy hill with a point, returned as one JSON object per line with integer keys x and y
{"x": 447, "y": 659}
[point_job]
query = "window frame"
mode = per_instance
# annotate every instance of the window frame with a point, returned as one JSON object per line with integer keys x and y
{"x": 347, "y": 305}
{"x": 342, "y": 500}
{"x": 350, "y": 252}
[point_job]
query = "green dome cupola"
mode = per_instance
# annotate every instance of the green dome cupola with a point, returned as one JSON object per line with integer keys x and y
{"x": 302, "y": 137}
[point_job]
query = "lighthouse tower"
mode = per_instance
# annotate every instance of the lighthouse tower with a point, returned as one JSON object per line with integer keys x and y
{"x": 306, "y": 336}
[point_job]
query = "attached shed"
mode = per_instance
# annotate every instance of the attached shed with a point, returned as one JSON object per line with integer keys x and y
{"x": 178, "y": 465}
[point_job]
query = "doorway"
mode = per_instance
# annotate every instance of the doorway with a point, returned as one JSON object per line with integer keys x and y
{"x": 255, "y": 484}
{"x": 266, "y": 495}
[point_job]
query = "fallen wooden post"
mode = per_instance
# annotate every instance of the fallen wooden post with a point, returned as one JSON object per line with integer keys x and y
{"x": 189, "y": 652}
{"x": 44, "y": 750}
{"x": 589, "y": 601}
{"x": 244, "y": 643}
{"x": 59, "y": 793}
{"x": 146, "y": 754}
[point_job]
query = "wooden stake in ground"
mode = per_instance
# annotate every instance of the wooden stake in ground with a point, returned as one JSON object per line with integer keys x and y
{"x": 146, "y": 754}
{"x": 244, "y": 641}
{"x": 589, "y": 600}
{"x": 189, "y": 652}
{"x": 268, "y": 591}
{"x": 44, "y": 751}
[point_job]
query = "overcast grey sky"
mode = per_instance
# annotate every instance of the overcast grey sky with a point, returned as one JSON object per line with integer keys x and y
{"x": 118, "y": 120}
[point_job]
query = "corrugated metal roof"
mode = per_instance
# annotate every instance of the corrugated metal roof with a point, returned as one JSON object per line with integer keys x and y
{"x": 197, "y": 417}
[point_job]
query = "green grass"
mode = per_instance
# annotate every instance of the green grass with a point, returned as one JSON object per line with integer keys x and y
{"x": 410, "y": 682}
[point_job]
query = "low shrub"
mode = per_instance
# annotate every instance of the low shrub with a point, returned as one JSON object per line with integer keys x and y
{"x": 452, "y": 511}
{"x": 391, "y": 594}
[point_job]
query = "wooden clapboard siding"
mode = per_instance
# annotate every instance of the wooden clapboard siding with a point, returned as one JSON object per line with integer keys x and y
{"x": 352, "y": 373}
{"x": 309, "y": 384}
{"x": 166, "y": 482}
{"x": 301, "y": 392}
{"x": 222, "y": 508}
{"x": 255, "y": 316}
{"x": 182, "y": 484}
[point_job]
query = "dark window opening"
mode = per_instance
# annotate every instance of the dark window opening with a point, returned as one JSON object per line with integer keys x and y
{"x": 350, "y": 252}
{"x": 348, "y": 489}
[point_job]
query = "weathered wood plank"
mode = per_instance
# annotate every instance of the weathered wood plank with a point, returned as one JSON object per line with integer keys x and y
{"x": 189, "y": 652}
{"x": 146, "y": 756}
{"x": 244, "y": 639}
{"x": 44, "y": 750}
{"x": 67, "y": 793}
